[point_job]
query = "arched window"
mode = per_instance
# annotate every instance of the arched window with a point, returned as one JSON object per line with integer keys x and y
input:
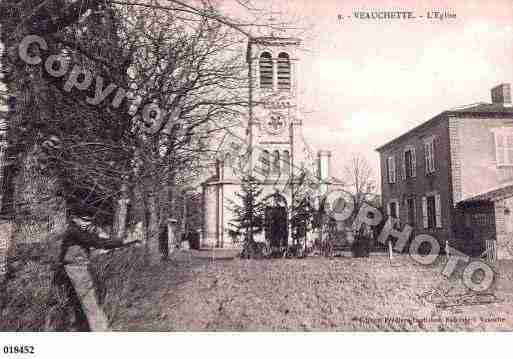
{"x": 266, "y": 71}
{"x": 265, "y": 162}
{"x": 283, "y": 71}
{"x": 276, "y": 162}
{"x": 286, "y": 162}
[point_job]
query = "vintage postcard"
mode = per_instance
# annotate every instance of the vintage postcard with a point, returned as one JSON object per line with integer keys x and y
{"x": 255, "y": 166}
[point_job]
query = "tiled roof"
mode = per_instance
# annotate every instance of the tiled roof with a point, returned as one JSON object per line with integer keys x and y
{"x": 483, "y": 108}
{"x": 491, "y": 196}
{"x": 478, "y": 109}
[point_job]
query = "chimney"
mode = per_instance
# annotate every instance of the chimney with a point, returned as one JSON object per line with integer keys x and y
{"x": 323, "y": 165}
{"x": 502, "y": 95}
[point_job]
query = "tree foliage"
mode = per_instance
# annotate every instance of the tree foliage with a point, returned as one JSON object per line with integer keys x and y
{"x": 248, "y": 211}
{"x": 360, "y": 180}
{"x": 185, "y": 60}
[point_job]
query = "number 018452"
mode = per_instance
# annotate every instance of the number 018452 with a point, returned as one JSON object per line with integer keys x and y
{"x": 18, "y": 349}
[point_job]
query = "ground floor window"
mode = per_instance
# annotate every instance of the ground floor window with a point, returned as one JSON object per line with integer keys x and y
{"x": 410, "y": 205}
{"x": 431, "y": 211}
{"x": 393, "y": 209}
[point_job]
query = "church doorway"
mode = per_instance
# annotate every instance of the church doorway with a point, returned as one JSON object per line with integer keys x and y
{"x": 276, "y": 222}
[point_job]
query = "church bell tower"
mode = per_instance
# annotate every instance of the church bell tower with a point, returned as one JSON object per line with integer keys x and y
{"x": 273, "y": 63}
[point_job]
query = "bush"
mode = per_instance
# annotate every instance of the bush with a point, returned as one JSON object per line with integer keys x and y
{"x": 361, "y": 246}
{"x": 37, "y": 294}
{"x": 114, "y": 274}
{"x": 255, "y": 250}
{"x": 39, "y": 297}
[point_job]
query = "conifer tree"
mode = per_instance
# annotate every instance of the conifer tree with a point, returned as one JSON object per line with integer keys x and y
{"x": 248, "y": 212}
{"x": 301, "y": 220}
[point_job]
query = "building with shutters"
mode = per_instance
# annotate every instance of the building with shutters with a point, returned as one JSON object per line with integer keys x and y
{"x": 452, "y": 177}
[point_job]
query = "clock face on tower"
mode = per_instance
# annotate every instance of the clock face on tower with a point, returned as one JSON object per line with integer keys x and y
{"x": 275, "y": 123}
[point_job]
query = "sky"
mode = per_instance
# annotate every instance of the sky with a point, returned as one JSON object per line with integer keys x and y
{"x": 364, "y": 82}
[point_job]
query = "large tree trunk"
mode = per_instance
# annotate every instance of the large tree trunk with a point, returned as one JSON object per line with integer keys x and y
{"x": 167, "y": 212}
{"x": 153, "y": 252}
{"x": 120, "y": 215}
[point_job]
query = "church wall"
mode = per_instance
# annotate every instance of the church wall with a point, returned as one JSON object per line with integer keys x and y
{"x": 228, "y": 198}
{"x": 275, "y": 126}
{"x": 210, "y": 216}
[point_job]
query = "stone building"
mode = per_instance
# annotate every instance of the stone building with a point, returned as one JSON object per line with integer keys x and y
{"x": 452, "y": 176}
{"x": 273, "y": 132}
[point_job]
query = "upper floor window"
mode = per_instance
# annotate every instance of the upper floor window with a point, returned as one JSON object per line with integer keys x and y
{"x": 504, "y": 148}
{"x": 284, "y": 74}
{"x": 409, "y": 163}
{"x": 391, "y": 169}
{"x": 429, "y": 154}
{"x": 266, "y": 71}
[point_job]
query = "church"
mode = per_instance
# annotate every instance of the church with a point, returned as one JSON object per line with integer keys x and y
{"x": 278, "y": 153}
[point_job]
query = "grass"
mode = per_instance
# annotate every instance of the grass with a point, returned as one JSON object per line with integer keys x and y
{"x": 364, "y": 294}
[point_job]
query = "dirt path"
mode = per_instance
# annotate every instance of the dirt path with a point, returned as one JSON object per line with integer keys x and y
{"x": 310, "y": 294}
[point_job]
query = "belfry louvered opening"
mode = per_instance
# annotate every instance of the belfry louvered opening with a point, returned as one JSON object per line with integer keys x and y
{"x": 276, "y": 162}
{"x": 266, "y": 71}
{"x": 284, "y": 71}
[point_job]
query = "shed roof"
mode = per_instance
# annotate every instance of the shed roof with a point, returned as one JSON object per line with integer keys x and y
{"x": 491, "y": 196}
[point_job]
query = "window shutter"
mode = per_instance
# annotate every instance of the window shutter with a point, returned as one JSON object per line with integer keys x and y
{"x": 394, "y": 172}
{"x": 509, "y": 150}
{"x": 404, "y": 166}
{"x": 424, "y": 212}
{"x": 391, "y": 170}
{"x": 438, "y": 210}
{"x": 406, "y": 211}
{"x": 413, "y": 163}
{"x": 433, "y": 157}
{"x": 429, "y": 152}
{"x": 499, "y": 148}
{"x": 426, "y": 156}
